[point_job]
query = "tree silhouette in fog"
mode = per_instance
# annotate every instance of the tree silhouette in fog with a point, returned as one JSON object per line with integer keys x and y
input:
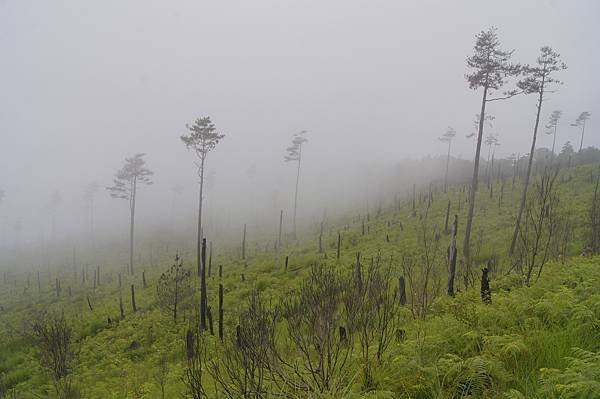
{"x": 124, "y": 186}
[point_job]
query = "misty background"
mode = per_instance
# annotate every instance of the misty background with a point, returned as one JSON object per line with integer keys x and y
{"x": 87, "y": 84}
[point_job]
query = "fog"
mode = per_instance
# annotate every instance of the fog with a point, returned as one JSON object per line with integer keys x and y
{"x": 87, "y": 84}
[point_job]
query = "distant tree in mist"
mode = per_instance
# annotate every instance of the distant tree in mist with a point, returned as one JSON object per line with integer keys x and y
{"x": 89, "y": 195}
{"x": 580, "y": 121}
{"x": 490, "y": 68}
{"x": 294, "y": 154}
{"x": 125, "y": 184}
{"x": 2, "y": 194}
{"x": 203, "y": 137}
{"x": 491, "y": 141}
{"x": 552, "y": 126}
{"x": 567, "y": 150}
{"x": 447, "y": 138}
{"x": 536, "y": 80}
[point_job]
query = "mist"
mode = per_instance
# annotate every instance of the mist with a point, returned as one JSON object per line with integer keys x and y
{"x": 86, "y": 85}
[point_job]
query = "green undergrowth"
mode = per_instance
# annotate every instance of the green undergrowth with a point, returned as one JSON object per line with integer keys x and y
{"x": 541, "y": 341}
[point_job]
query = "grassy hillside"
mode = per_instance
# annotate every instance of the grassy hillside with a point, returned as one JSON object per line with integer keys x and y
{"x": 538, "y": 341}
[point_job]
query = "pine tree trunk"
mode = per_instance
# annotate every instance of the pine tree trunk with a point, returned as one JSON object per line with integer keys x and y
{"x": 474, "y": 181}
{"x": 203, "y": 294}
{"x": 528, "y": 175}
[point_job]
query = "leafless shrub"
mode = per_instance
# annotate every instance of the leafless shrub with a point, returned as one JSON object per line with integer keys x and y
{"x": 54, "y": 339}
{"x": 248, "y": 358}
{"x": 312, "y": 317}
{"x": 542, "y": 222}
{"x": 195, "y": 350}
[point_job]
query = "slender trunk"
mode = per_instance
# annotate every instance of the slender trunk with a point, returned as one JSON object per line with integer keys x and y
{"x": 133, "y": 306}
{"x": 131, "y": 224}
{"x": 199, "y": 238}
{"x": 280, "y": 227}
{"x": 296, "y": 193}
{"x": 447, "y": 167}
{"x": 203, "y": 297}
{"x": 92, "y": 220}
{"x": 582, "y": 133}
{"x": 452, "y": 258}
{"x": 528, "y": 175}
{"x": 554, "y": 139}
{"x": 473, "y": 188}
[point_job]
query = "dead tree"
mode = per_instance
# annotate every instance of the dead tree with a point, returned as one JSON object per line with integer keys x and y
{"x": 452, "y": 257}
{"x": 541, "y": 224}
{"x": 54, "y": 339}
{"x": 312, "y": 316}
{"x": 486, "y": 292}
{"x": 133, "y": 306}
{"x": 195, "y": 349}
{"x": 246, "y": 360}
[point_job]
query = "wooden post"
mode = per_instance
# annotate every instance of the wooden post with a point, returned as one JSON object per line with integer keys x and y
{"x": 39, "y": 282}
{"x": 486, "y": 292}
{"x": 89, "y": 304}
{"x": 98, "y": 275}
{"x": 280, "y": 227}
{"x": 321, "y": 239}
{"x": 133, "y": 299}
{"x": 221, "y": 312}
{"x": 286, "y": 262}
{"x": 57, "y": 288}
{"x": 220, "y": 271}
{"x": 402, "y": 290}
{"x": 210, "y": 259}
{"x": 144, "y": 279}
{"x": 121, "y": 304}
{"x": 339, "y": 244}
{"x": 210, "y": 321}
{"x": 447, "y": 216}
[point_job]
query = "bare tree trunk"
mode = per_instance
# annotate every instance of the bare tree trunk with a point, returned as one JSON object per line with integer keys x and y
{"x": 210, "y": 252}
{"x": 452, "y": 258}
{"x": 131, "y": 224}
{"x": 447, "y": 217}
{"x": 474, "y": 181}
{"x": 296, "y": 193}
{"x": 528, "y": 175}
{"x": 321, "y": 239}
{"x": 447, "y": 167}
{"x": 280, "y": 228}
{"x": 203, "y": 296}
{"x": 199, "y": 239}
{"x": 133, "y": 306}
{"x": 582, "y": 133}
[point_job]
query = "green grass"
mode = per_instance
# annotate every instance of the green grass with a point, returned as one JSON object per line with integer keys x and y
{"x": 521, "y": 344}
